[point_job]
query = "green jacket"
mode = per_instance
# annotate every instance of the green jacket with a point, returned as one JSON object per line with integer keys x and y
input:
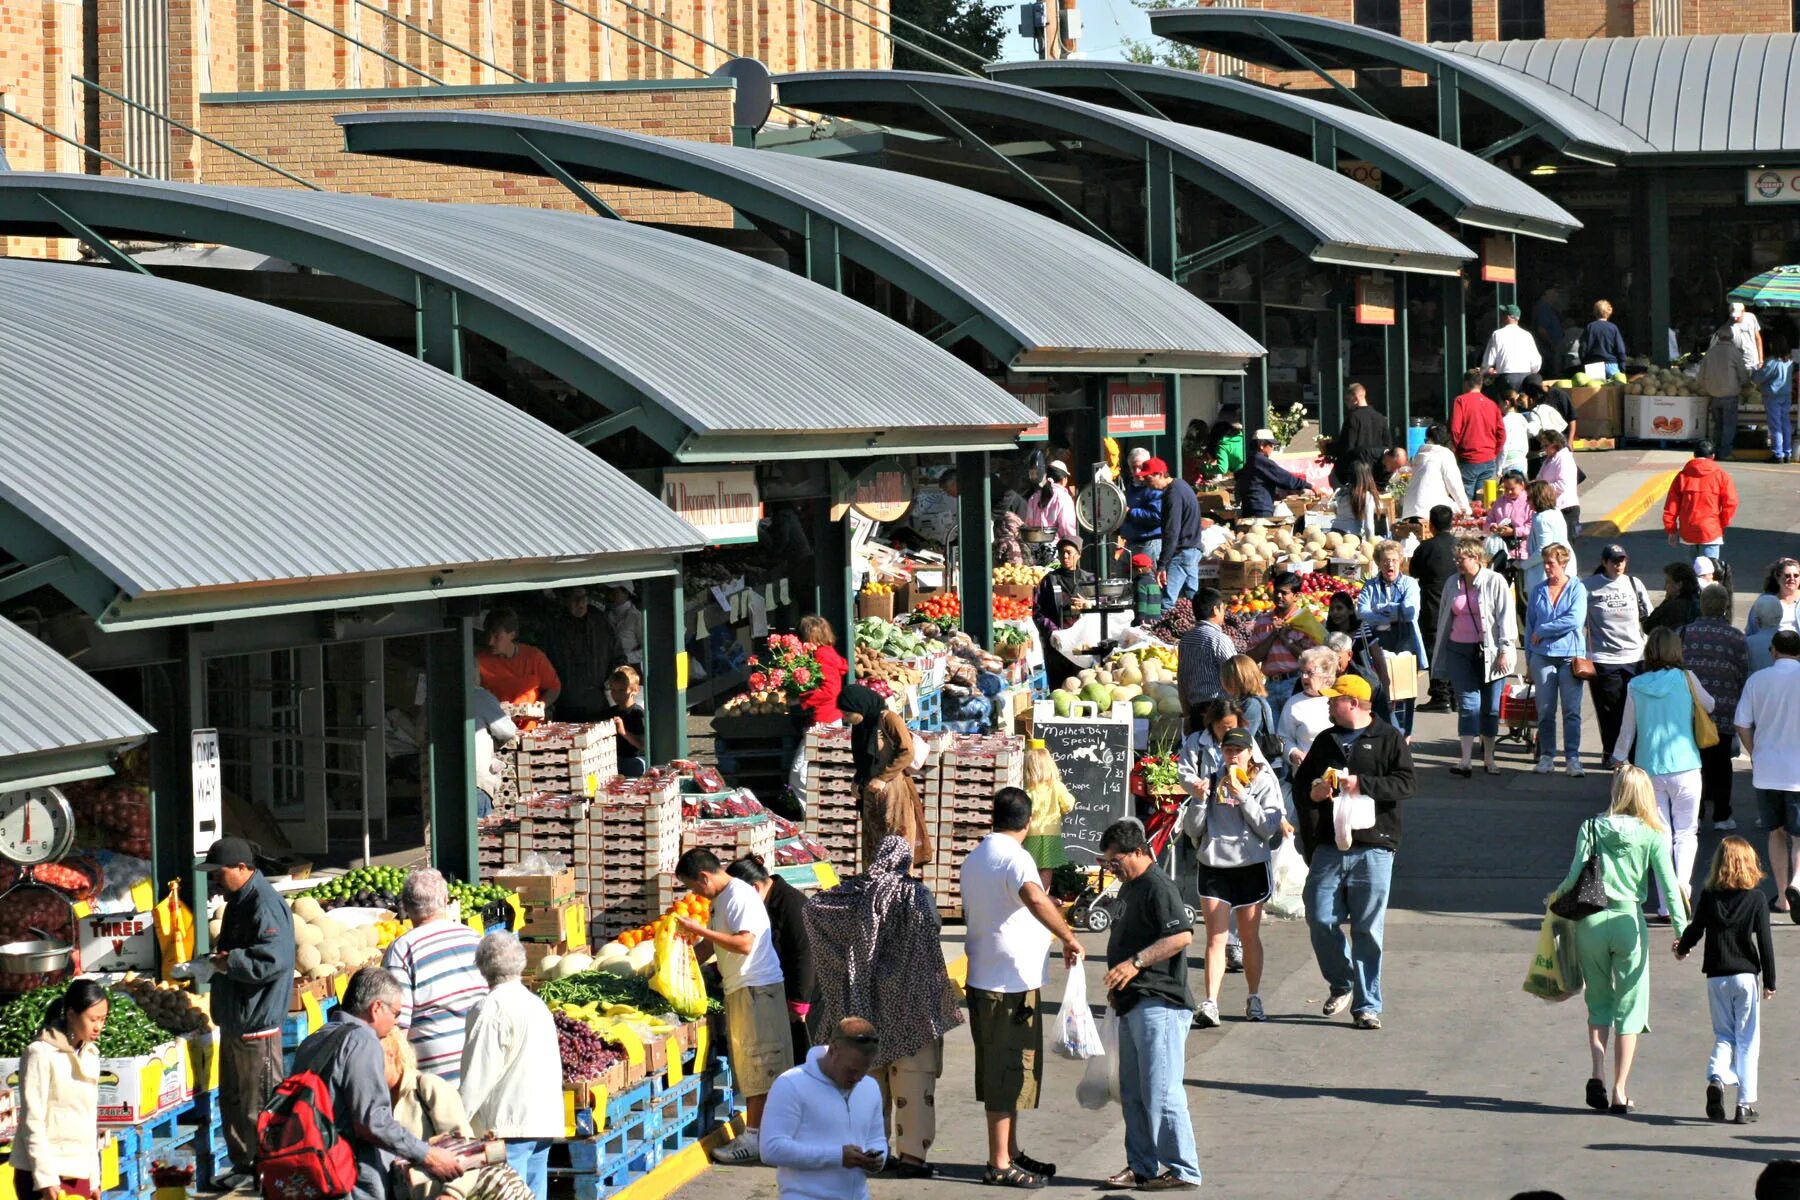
{"x": 1231, "y": 453}
{"x": 1629, "y": 851}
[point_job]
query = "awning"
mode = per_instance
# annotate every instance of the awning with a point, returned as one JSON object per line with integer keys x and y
{"x": 176, "y": 454}
{"x": 1327, "y": 216}
{"x": 56, "y": 724}
{"x": 1718, "y": 94}
{"x": 1471, "y": 190}
{"x": 670, "y": 335}
{"x": 1035, "y": 297}
{"x": 1288, "y": 41}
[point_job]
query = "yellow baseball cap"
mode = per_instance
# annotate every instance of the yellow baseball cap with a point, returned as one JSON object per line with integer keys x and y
{"x": 1035, "y": 744}
{"x": 1354, "y": 686}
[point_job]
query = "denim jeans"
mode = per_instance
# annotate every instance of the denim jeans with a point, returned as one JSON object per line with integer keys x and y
{"x": 1474, "y": 473}
{"x": 1724, "y": 422}
{"x": 1279, "y": 691}
{"x": 1477, "y": 698}
{"x": 1781, "y": 424}
{"x": 1153, "y": 548}
{"x": 1159, "y": 1135}
{"x": 1712, "y": 550}
{"x": 1184, "y": 575}
{"x": 530, "y": 1160}
{"x": 1349, "y": 886}
{"x": 1556, "y": 686}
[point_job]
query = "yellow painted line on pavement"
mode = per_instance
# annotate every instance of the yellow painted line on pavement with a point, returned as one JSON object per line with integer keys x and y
{"x": 681, "y": 1168}
{"x": 1622, "y": 518}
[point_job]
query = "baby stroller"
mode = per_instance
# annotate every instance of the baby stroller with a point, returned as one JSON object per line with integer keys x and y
{"x": 1519, "y": 713}
{"x": 1098, "y": 905}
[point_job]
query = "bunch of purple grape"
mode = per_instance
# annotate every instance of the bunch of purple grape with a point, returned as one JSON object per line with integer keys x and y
{"x": 584, "y": 1055}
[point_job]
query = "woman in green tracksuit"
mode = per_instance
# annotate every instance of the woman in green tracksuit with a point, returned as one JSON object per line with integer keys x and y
{"x": 1613, "y": 944}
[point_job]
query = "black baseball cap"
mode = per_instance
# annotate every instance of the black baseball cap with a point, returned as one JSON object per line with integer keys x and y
{"x": 1614, "y": 553}
{"x": 230, "y": 852}
{"x": 1239, "y": 739}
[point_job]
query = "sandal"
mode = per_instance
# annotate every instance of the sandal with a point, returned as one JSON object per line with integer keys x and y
{"x": 1012, "y": 1176}
{"x": 1596, "y": 1095}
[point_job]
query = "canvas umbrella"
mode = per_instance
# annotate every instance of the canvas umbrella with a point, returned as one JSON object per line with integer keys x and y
{"x": 1778, "y": 287}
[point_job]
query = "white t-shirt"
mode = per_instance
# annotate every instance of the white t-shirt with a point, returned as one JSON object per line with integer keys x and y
{"x": 738, "y": 909}
{"x": 1007, "y": 946}
{"x": 1770, "y": 708}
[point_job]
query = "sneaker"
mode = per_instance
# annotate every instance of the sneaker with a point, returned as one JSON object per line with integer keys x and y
{"x": 1544, "y": 765}
{"x": 1746, "y": 1114}
{"x": 1234, "y": 958}
{"x": 1573, "y": 766}
{"x": 1336, "y": 1003}
{"x": 1725, "y": 826}
{"x": 1715, "y": 1100}
{"x": 1367, "y": 1020}
{"x": 1168, "y": 1181}
{"x": 1207, "y": 1015}
{"x": 230, "y": 1182}
{"x": 745, "y": 1151}
{"x": 1035, "y": 1166}
{"x": 1253, "y": 1009}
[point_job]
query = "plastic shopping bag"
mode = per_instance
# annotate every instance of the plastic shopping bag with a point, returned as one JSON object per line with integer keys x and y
{"x": 1290, "y": 881}
{"x": 174, "y": 930}
{"x": 1350, "y": 813}
{"x": 1100, "y": 1083}
{"x": 1545, "y": 978}
{"x": 1077, "y": 1036}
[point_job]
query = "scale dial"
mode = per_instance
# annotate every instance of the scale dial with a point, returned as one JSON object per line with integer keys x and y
{"x": 1100, "y": 507}
{"x": 36, "y": 826}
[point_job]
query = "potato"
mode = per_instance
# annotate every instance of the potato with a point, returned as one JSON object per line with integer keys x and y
{"x": 306, "y": 958}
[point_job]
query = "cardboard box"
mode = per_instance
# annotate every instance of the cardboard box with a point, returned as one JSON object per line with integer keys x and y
{"x": 539, "y": 889}
{"x": 117, "y": 942}
{"x": 1015, "y": 591}
{"x": 1598, "y": 410}
{"x": 881, "y": 606}
{"x": 134, "y": 1089}
{"x": 1664, "y": 418}
{"x": 202, "y": 1053}
{"x": 1215, "y": 501}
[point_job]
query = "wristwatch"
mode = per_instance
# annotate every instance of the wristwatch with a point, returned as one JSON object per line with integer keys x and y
{"x": 1137, "y": 962}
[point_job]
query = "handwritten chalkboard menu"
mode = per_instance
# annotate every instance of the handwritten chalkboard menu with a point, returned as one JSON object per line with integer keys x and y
{"x": 1095, "y": 760}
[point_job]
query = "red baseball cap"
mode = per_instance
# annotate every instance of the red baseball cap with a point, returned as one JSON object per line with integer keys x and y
{"x": 1141, "y": 562}
{"x": 1155, "y": 466}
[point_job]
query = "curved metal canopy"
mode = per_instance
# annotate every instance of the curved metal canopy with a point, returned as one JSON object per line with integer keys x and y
{"x": 1007, "y": 272}
{"x": 56, "y": 723}
{"x": 1469, "y": 189}
{"x": 1290, "y": 41}
{"x": 1327, "y": 216}
{"x": 176, "y": 454}
{"x": 667, "y": 333}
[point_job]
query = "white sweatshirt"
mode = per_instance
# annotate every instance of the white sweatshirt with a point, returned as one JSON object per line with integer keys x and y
{"x": 59, "y": 1091}
{"x": 808, "y": 1120}
{"x": 512, "y": 1065}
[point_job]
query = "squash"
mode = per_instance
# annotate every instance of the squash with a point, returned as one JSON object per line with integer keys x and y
{"x": 642, "y": 958}
{"x": 572, "y": 964}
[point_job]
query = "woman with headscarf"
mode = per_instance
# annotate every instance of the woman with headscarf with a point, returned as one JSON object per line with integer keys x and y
{"x": 876, "y": 955}
{"x": 881, "y": 749}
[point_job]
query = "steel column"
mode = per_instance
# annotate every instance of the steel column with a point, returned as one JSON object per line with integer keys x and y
{"x": 975, "y": 544}
{"x": 1397, "y": 367}
{"x": 1449, "y": 108}
{"x": 1656, "y": 242}
{"x": 837, "y": 598}
{"x": 1159, "y": 204}
{"x": 450, "y": 747}
{"x": 1256, "y": 376}
{"x": 665, "y": 667}
{"x": 824, "y": 258}
{"x": 1456, "y": 342}
{"x": 175, "y": 696}
{"x": 439, "y": 326}
{"x": 1330, "y": 370}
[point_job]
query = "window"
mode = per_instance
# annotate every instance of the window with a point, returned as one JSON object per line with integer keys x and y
{"x": 1449, "y": 21}
{"x": 1521, "y": 19}
{"x": 1383, "y": 15}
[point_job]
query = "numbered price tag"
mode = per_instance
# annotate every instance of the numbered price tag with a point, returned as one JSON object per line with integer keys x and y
{"x": 826, "y": 874}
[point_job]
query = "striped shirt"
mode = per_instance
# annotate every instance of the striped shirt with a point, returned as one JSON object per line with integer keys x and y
{"x": 436, "y": 968}
{"x": 1200, "y": 657}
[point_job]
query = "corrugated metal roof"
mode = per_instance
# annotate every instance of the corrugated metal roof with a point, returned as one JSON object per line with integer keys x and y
{"x": 179, "y": 438}
{"x": 1487, "y": 195}
{"x": 684, "y": 323}
{"x": 1725, "y": 93}
{"x": 1347, "y": 221}
{"x": 1020, "y": 269}
{"x": 48, "y": 703}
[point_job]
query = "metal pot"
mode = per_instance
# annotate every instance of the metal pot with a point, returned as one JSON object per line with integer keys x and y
{"x": 35, "y": 957}
{"x": 1036, "y": 535}
{"x": 1114, "y": 589}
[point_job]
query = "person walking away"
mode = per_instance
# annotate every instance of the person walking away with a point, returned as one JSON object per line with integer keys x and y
{"x": 253, "y": 958}
{"x": 1659, "y": 720}
{"x": 1142, "y": 527}
{"x": 56, "y": 1146}
{"x": 1432, "y": 565}
{"x": 786, "y": 906}
{"x": 1362, "y": 439}
{"x": 1768, "y": 725}
{"x": 876, "y": 945}
{"x": 1436, "y": 478}
{"x": 825, "y": 1134}
{"x": 1631, "y": 843}
{"x": 1279, "y": 636}
{"x": 1347, "y": 880}
{"x": 583, "y": 650}
{"x": 1231, "y": 815}
{"x": 1009, "y": 921}
{"x": 1680, "y": 605}
{"x": 1783, "y": 586}
{"x": 1732, "y": 915}
{"x": 1358, "y": 501}
{"x": 881, "y": 750}
{"x": 1261, "y": 481}
{"x": 1723, "y": 375}
{"x": 1050, "y": 803}
{"x": 1775, "y": 379}
{"x": 435, "y": 964}
{"x": 1146, "y": 592}
{"x": 1548, "y": 528}
{"x": 1512, "y": 353}
{"x": 1601, "y": 341}
{"x": 1716, "y": 652}
{"x": 1476, "y": 649}
{"x": 1702, "y": 501}
{"x": 1052, "y": 505}
{"x": 1521, "y": 427}
{"x": 1478, "y": 431}
{"x": 506, "y": 1061}
{"x": 1617, "y": 606}
{"x": 1146, "y": 983}
{"x": 1555, "y": 636}
{"x": 514, "y": 672}
{"x": 739, "y": 935}
{"x": 1203, "y": 651}
{"x": 1178, "y": 564}
{"x": 347, "y": 1057}
{"x": 1560, "y": 472}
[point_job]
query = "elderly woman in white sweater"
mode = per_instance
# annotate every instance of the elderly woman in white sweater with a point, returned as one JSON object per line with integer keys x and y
{"x": 512, "y": 1064}
{"x": 57, "y": 1144}
{"x": 1436, "y": 479}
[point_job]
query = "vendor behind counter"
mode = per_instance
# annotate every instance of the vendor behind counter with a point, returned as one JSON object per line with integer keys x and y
{"x": 1061, "y": 596}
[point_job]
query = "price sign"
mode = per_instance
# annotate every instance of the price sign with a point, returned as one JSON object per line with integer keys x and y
{"x": 209, "y": 790}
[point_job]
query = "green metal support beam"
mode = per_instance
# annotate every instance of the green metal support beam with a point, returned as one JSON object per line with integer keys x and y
{"x": 439, "y": 326}
{"x": 1494, "y": 149}
{"x": 556, "y": 171}
{"x": 1396, "y": 360}
{"x": 81, "y": 583}
{"x": 824, "y": 252}
{"x": 450, "y": 678}
{"x": 1449, "y": 107}
{"x": 22, "y": 119}
{"x": 1456, "y": 344}
{"x": 975, "y": 543}
{"x": 175, "y": 695}
{"x": 1325, "y": 145}
{"x": 1161, "y": 252}
{"x": 1256, "y": 376}
{"x": 1228, "y": 248}
{"x": 598, "y": 431}
{"x": 1316, "y": 69}
{"x": 664, "y": 605}
{"x": 192, "y": 132}
{"x": 101, "y": 246}
{"x": 49, "y": 573}
{"x": 1650, "y": 241}
{"x": 1135, "y": 97}
{"x": 958, "y": 331}
{"x": 1330, "y": 369}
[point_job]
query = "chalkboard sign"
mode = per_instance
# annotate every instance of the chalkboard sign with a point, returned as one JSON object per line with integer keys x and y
{"x": 1095, "y": 759}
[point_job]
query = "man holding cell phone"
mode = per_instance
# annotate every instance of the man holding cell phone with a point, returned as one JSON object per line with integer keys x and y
{"x": 823, "y": 1128}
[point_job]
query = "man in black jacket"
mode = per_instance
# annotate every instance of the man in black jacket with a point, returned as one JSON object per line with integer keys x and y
{"x": 1261, "y": 481}
{"x": 254, "y": 961}
{"x": 1433, "y": 563}
{"x": 1347, "y": 879}
{"x": 1363, "y": 437}
{"x": 580, "y": 644}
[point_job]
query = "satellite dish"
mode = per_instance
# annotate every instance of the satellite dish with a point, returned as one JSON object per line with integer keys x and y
{"x": 755, "y": 91}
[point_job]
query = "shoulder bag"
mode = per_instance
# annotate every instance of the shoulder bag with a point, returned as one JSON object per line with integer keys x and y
{"x": 1588, "y": 895}
{"x": 1706, "y": 734}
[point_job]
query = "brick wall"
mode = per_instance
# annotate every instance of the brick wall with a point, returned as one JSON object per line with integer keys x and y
{"x": 299, "y": 135}
{"x": 40, "y": 45}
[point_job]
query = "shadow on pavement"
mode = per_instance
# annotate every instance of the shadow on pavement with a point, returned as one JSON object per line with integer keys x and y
{"x": 1746, "y": 1154}
{"x": 1406, "y": 1097}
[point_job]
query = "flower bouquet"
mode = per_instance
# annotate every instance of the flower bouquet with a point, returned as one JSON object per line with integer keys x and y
{"x": 785, "y": 670}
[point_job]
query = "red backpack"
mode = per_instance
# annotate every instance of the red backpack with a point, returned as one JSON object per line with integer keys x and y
{"x": 299, "y": 1155}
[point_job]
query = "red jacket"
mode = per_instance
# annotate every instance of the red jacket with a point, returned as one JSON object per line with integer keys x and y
{"x": 1701, "y": 502}
{"x": 822, "y": 702}
{"x": 1477, "y": 428}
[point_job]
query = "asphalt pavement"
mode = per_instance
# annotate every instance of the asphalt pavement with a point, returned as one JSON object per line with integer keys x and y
{"x": 1473, "y": 1089}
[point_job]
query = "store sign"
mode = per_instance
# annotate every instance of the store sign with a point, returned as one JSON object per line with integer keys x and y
{"x": 1376, "y": 298}
{"x": 725, "y": 505}
{"x": 1499, "y": 260}
{"x": 1135, "y": 408}
{"x": 883, "y": 490}
{"x": 1772, "y": 186}
{"x": 1365, "y": 173}
{"x": 209, "y": 790}
{"x": 1036, "y": 397}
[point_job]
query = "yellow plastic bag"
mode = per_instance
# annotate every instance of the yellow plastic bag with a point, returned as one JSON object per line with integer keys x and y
{"x": 677, "y": 975}
{"x": 174, "y": 930}
{"x": 1546, "y": 978}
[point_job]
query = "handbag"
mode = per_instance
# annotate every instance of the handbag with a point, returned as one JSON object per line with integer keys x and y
{"x": 1588, "y": 896}
{"x": 1582, "y": 668}
{"x": 1706, "y": 734}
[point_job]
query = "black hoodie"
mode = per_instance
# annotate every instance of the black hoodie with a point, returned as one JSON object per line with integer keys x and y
{"x": 1736, "y": 925}
{"x": 1383, "y": 766}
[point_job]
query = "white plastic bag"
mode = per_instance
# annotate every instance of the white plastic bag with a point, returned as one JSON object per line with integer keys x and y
{"x": 1350, "y": 813}
{"x": 1290, "y": 881}
{"x": 1100, "y": 1083}
{"x": 1077, "y": 1036}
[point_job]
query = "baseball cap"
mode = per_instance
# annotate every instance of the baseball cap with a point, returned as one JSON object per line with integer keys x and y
{"x": 1239, "y": 739}
{"x": 1614, "y": 553}
{"x": 1141, "y": 562}
{"x": 1703, "y": 566}
{"x": 1035, "y": 744}
{"x": 1155, "y": 466}
{"x": 1262, "y": 435}
{"x": 1354, "y": 686}
{"x": 1057, "y": 464}
{"x": 230, "y": 852}
{"x": 1510, "y": 310}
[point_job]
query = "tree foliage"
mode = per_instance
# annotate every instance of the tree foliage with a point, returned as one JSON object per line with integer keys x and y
{"x": 1160, "y": 52}
{"x": 975, "y": 26}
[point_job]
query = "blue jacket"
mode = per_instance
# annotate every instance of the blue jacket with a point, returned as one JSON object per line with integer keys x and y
{"x": 1775, "y": 377}
{"x": 1390, "y": 612}
{"x": 253, "y": 990}
{"x": 1257, "y": 482}
{"x": 1562, "y": 626}
{"x": 1602, "y": 342}
{"x": 1180, "y": 521}
{"x": 1663, "y": 708}
{"x": 1144, "y": 516}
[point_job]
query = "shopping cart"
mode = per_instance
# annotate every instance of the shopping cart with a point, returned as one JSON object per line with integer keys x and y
{"x": 1519, "y": 713}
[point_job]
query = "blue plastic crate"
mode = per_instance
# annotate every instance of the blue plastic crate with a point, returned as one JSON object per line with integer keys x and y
{"x": 634, "y": 1099}
{"x": 293, "y": 1026}
{"x": 677, "y": 1110}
